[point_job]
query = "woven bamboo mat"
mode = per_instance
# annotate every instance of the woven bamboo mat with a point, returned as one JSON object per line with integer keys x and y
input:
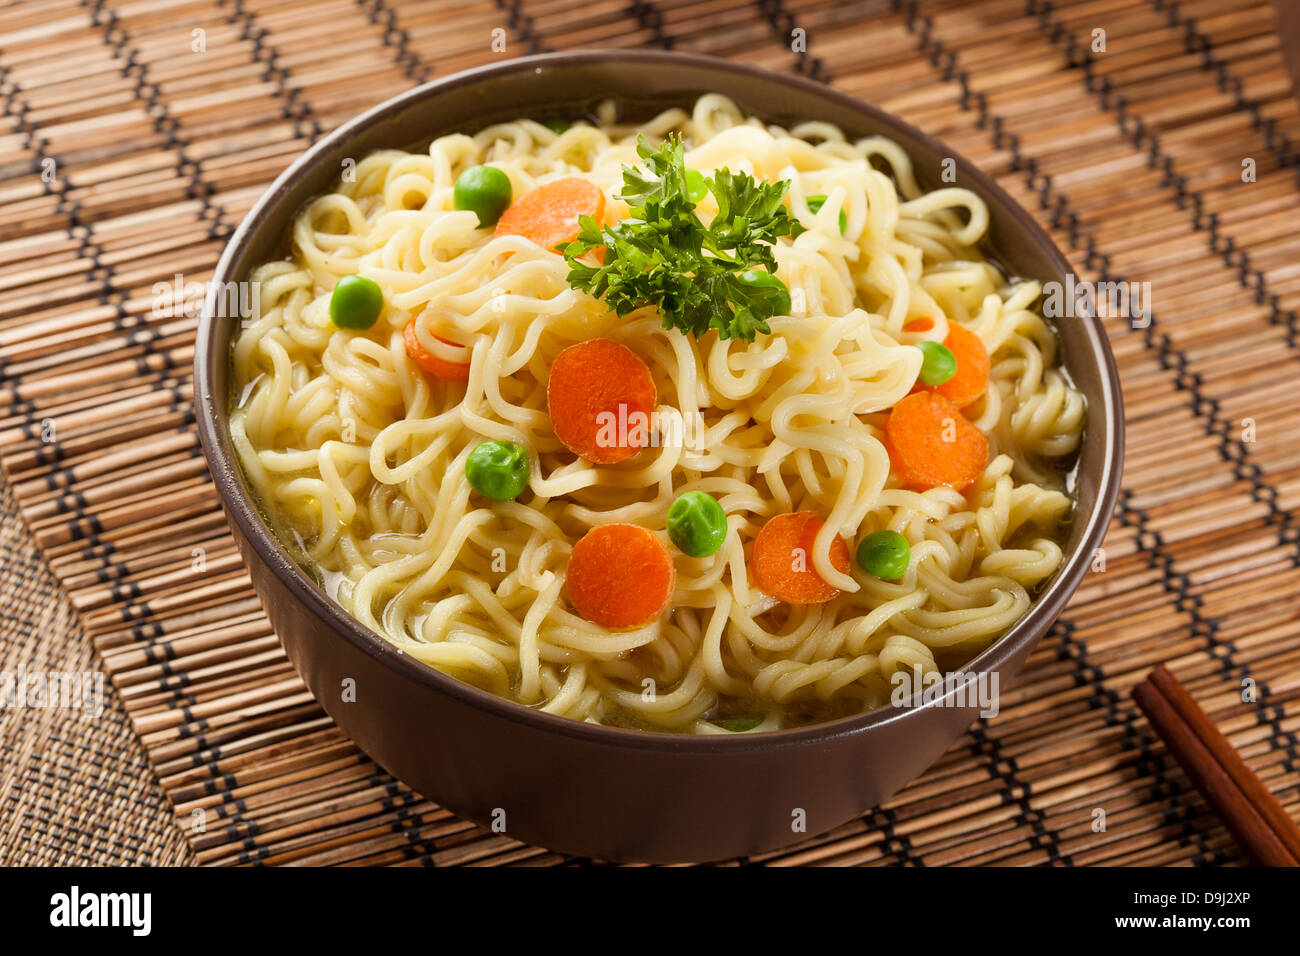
{"x": 1132, "y": 157}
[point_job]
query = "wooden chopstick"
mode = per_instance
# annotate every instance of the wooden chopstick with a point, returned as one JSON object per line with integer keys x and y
{"x": 1251, "y": 813}
{"x": 1246, "y": 780}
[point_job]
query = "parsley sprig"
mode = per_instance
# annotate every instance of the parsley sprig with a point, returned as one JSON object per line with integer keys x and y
{"x": 662, "y": 254}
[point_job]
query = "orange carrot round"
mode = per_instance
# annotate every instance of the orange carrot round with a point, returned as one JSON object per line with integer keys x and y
{"x": 434, "y": 364}
{"x": 972, "y": 376}
{"x": 600, "y": 396}
{"x": 781, "y": 559}
{"x": 621, "y": 576}
{"x": 932, "y": 443}
{"x": 548, "y": 215}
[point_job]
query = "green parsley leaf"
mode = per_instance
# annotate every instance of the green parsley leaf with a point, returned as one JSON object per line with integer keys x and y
{"x": 662, "y": 254}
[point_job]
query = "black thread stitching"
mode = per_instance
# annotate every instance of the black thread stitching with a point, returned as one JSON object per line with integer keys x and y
{"x": 1015, "y": 790}
{"x": 783, "y": 25}
{"x": 650, "y": 19}
{"x": 522, "y": 25}
{"x": 400, "y": 41}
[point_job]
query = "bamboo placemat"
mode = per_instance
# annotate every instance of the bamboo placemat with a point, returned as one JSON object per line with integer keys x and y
{"x": 75, "y": 787}
{"x": 1132, "y": 156}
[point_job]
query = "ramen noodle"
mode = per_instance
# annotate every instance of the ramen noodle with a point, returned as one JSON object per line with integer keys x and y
{"x": 358, "y": 454}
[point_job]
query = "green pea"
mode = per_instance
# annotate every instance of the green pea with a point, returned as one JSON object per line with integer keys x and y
{"x": 762, "y": 279}
{"x": 696, "y": 187}
{"x": 738, "y": 725}
{"x": 885, "y": 555}
{"x": 938, "y": 364}
{"x": 484, "y": 190}
{"x": 498, "y": 469}
{"x": 356, "y": 302}
{"x": 557, "y": 126}
{"x": 815, "y": 203}
{"x": 697, "y": 525}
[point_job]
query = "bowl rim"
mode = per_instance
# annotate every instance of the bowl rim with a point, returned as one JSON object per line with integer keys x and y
{"x": 1105, "y": 407}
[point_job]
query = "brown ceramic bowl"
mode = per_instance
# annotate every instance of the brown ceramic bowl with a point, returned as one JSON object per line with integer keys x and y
{"x": 577, "y": 787}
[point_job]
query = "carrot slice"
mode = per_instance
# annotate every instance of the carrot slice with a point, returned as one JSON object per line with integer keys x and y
{"x": 972, "y": 376}
{"x": 434, "y": 364}
{"x": 549, "y": 214}
{"x": 621, "y": 576}
{"x": 782, "y": 559}
{"x": 600, "y": 396}
{"x": 932, "y": 443}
